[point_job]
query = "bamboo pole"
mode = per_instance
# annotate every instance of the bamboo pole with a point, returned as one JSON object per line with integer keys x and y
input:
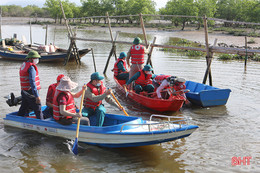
{"x": 246, "y": 52}
{"x": 94, "y": 62}
{"x": 214, "y": 49}
{"x": 208, "y": 51}
{"x": 31, "y": 32}
{"x": 110, "y": 54}
{"x": 0, "y": 22}
{"x": 111, "y": 35}
{"x": 66, "y": 22}
{"x": 143, "y": 29}
{"x": 46, "y": 35}
{"x": 149, "y": 60}
{"x": 209, "y": 64}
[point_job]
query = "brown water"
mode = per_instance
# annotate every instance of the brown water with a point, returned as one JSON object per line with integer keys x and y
{"x": 225, "y": 131}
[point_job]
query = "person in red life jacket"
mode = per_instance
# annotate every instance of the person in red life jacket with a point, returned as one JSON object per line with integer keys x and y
{"x": 50, "y": 94}
{"x": 167, "y": 81}
{"x": 163, "y": 81}
{"x": 64, "y": 109}
{"x": 120, "y": 71}
{"x": 96, "y": 92}
{"x": 30, "y": 86}
{"x": 143, "y": 80}
{"x": 136, "y": 53}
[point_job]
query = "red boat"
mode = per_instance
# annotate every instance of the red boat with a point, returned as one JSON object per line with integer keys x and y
{"x": 172, "y": 103}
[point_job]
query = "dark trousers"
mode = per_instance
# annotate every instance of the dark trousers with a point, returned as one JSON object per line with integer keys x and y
{"x": 29, "y": 102}
{"x": 149, "y": 88}
{"x": 123, "y": 76}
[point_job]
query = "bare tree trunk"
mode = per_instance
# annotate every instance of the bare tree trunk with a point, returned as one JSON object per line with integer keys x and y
{"x": 183, "y": 25}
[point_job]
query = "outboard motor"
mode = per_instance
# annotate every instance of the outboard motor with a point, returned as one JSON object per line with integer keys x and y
{"x": 12, "y": 101}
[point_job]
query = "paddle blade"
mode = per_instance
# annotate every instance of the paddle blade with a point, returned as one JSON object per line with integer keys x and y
{"x": 75, "y": 147}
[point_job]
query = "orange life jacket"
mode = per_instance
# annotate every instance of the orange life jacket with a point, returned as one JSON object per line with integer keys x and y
{"x": 91, "y": 104}
{"x": 70, "y": 106}
{"x": 117, "y": 71}
{"x": 144, "y": 79}
{"x": 137, "y": 54}
{"x": 24, "y": 76}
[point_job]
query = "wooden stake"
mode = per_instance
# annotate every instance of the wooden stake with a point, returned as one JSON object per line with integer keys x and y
{"x": 143, "y": 28}
{"x": 207, "y": 50}
{"x": 246, "y": 52}
{"x": 111, "y": 35}
{"x": 112, "y": 51}
{"x": 46, "y": 35}
{"x": 149, "y": 60}
{"x": 0, "y": 22}
{"x": 94, "y": 62}
{"x": 31, "y": 32}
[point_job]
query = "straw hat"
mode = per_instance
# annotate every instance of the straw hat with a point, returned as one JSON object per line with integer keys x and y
{"x": 66, "y": 84}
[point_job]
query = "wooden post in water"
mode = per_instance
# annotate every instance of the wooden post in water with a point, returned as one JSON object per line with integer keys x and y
{"x": 246, "y": 52}
{"x": 94, "y": 62}
{"x": 31, "y": 32}
{"x": 0, "y": 22}
{"x": 149, "y": 60}
{"x": 111, "y": 53}
{"x": 143, "y": 28}
{"x": 72, "y": 48}
{"x": 46, "y": 35}
{"x": 111, "y": 35}
{"x": 209, "y": 63}
{"x": 208, "y": 56}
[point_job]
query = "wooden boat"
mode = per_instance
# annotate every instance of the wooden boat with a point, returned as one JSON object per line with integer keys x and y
{"x": 173, "y": 103}
{"x": 117, "y": 131}
{"x": 205, "y": 95}
{"x": 58, "y": 55}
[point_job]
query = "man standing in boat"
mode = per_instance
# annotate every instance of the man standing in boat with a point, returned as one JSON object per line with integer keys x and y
{"x": 94, "y": 95}
{"x": 30, "y": 86}
{"x": 143, "y": 80}
{"x": 136, "y": 52}
{"x": 64, "y": 109}
{"x": 120, "y": 71}
{"x": 50, "y": 94}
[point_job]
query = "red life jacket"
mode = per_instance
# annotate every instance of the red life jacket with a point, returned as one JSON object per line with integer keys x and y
{"x": 51, "y": 90}
{"x": 70, "y": 106}
{"x": 91, "y": 104}
{"x": 179, "y": 86}
{"x": 143, "y": 79}
{"x": 160, "y": 78}
{"x": 24, "y": 76}
{"x": 137, "y": 54}
{"x": 116, "y": 69}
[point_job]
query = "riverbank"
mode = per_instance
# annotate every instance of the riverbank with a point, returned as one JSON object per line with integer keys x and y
{"x": 189, "y": 33}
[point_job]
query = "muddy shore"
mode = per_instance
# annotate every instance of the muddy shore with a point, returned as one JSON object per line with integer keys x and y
{"x": 189, "y": 33}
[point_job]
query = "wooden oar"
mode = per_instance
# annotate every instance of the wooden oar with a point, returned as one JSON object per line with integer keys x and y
{"x": 75, "y": 145}
{"x": 119, "y": 103}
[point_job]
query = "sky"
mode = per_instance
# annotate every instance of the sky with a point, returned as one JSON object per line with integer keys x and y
{"x": 23, "y": 3}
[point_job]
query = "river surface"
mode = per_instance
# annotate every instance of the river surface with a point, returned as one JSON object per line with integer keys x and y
{"x": 224, "y": 132}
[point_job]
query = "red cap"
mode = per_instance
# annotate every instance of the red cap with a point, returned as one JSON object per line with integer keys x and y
{"x": 59, "y": 77}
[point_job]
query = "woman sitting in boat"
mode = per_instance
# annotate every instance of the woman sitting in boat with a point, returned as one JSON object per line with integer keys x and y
{"x": 64, "y": 110}
{"x": 94, "y": 95}
{"x": 120, "y": 71}
{"x": 162, "y": 82}
{"x": 50, "y": 94}
{"x": 143, "y": 80}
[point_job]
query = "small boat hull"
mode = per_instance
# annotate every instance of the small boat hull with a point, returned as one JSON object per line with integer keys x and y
{"x": 59, "y": 55}
{"x": 205, "y": 95}
{"x": 118, "y": 130}
{"x": 162, "y": 105}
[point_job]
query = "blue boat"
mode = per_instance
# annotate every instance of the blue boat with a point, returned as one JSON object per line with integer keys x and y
{"x": 205, "y": 95}
{"x": 117, "y": 131}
